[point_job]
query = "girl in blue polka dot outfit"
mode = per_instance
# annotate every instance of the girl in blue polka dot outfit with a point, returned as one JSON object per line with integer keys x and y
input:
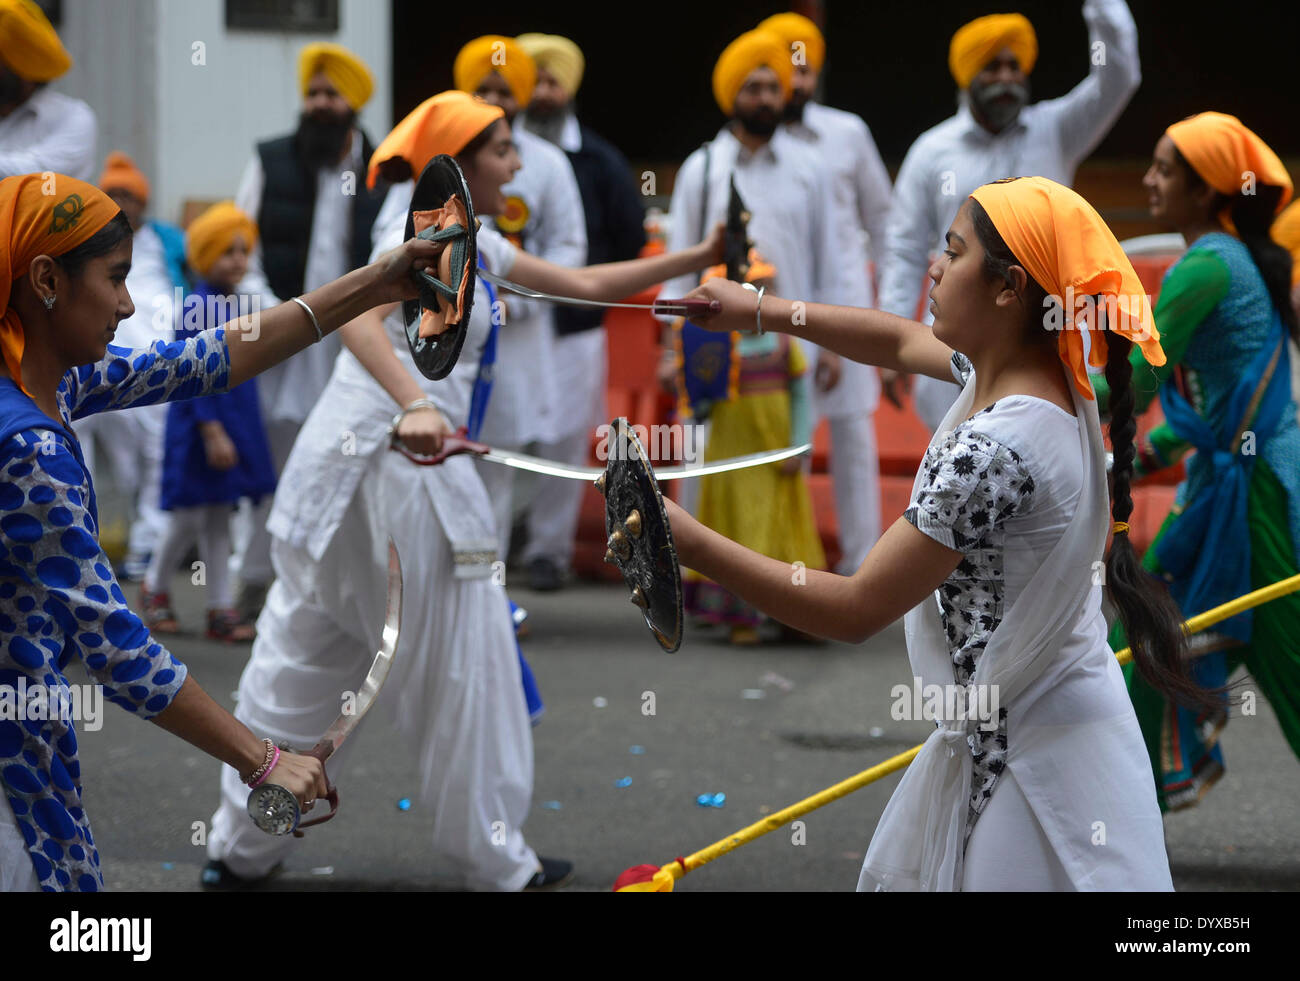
{"x": 65, "y": 250}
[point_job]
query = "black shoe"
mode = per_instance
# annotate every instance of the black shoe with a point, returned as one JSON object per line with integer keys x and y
{"x": 555, "y": 872}
{"x": 544, "y": 576}
{"x": 218, "y": 878}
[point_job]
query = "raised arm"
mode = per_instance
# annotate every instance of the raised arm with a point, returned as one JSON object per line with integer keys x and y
{"x": 870, "y": 336}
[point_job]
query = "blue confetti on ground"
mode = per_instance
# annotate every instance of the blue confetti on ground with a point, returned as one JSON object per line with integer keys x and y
{"x": 636, "y": 750}
{"x": 404, "y": 804}
{"x": 552, "y": 805}
{"x": 625, "y": 782}
{"x": 711, "y": 800}
{"x": 169, "y": 866}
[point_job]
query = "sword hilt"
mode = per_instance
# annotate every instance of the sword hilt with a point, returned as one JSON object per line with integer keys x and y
{"x": 323, "y": 750}
{"x": 451, "y": 446}
{"x": 686, "y": 308}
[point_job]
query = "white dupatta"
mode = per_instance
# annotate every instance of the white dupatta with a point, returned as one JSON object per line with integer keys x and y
{"x": 919, "y": 842}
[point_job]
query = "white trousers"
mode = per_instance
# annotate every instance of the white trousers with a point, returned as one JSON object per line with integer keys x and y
{"x": 454, "y": 692}
{"x": 252, "y": 559}
{"x": 499, "y": 481}
{"x": 132, "y": 442}
{"x": 209, "y": 526}
{"x": 855, "y": 481}
{"x": 1008, "y": 850}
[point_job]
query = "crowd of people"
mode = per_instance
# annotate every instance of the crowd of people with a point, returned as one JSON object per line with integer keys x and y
{"x": 258, "y": 366}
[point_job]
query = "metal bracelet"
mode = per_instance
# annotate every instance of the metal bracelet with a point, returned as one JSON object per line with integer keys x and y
{"x": 420, "y": 403}
{"x": 303, "y": 303}
{"x": 758, "y": 311}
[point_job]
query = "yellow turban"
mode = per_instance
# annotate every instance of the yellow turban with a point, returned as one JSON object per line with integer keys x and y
{"x": 29, "y": 44}
{"x": 1063, "y": 243}
{"x": 494, "y": 53}
{"x": 559, "y": 56}
{"x": 213, "y": 232}
{"x": 1226, "y": 154}
{"x": 751, "y": 50}
{"x": 121, "y": 174}
{"x": 445, "y": 123}
{"x": 35, "y": 222}
{"x": 346, "y": 71}
{"x": 796, "y": 28}
{"x": 1286, "y": 233}
{"x": 979, "y": 42}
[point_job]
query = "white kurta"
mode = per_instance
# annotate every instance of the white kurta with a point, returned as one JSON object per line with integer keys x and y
{"x": 946, "y": 163}
{"x": 50, "y": 131}
{"x": 1082, "y": 780}
{"x": 455, "y": 688}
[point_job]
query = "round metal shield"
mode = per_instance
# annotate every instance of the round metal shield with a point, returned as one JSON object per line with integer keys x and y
{"x": 436, "y": 356}
{"x": 639, "y": 537}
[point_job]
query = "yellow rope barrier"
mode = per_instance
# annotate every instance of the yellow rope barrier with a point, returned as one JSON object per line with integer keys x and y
{"x": 668, "y": 874}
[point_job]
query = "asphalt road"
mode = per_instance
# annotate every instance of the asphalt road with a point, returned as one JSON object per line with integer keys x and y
{"x": 616, "y": 786}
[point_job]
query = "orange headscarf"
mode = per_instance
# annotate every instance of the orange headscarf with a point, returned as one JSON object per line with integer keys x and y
{"x": 1071, "y": 253}
{"x": 1229, "y": 157}
{"x": 495, "y": 53}
{"x": 41, "y": 215}
{"x": 1286, "y": 233}
{"x": 751, "y": 50}
{"x": 445, "y": 123}
{"x": 121, "y": 174}
{"x": 212, "y": 233}
{"x": 29, "y": 44}
{"x": 797, "y": 29}
{"x": 978, "y": 43}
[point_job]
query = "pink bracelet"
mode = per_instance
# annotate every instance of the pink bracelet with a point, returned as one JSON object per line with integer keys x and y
{"x": 257, "y": 779}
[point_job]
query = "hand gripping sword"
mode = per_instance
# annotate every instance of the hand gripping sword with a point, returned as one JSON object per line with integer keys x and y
{"x": 273, "y": 808}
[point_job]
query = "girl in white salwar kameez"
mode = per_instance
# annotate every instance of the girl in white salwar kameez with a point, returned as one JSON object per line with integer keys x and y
{"x": 454, "y": 690}
{"x": 1037, "y": 778}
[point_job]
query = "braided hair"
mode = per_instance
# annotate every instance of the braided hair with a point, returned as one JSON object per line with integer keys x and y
{"x": 1151, "y": 618}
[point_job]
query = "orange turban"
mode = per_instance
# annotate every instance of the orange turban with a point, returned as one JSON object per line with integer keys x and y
{"x": 559, "y": 56}
{"x": 40, "y": 216}
{"x": 1071, "y": 253}
{"x": 346, "y": 72}
{"x": 979, "y": 42}
{"x": 213, "y": 232}
{"x": 1286, "y": 233}
{"x": 121, "y": 174}
{"x": 29, "y": 44}
{"x": 797, "y": 29}
{"x": 1228, "y": 156}
{"x": 751, "y": 50}
{"x": 494, "y": 53}
{"x": 445, "y": 123}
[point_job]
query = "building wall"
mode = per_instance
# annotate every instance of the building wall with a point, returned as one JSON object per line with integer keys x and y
{"x": 189, "y": 99}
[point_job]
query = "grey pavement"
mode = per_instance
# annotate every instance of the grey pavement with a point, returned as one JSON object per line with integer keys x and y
{"x": 765, "y": 726}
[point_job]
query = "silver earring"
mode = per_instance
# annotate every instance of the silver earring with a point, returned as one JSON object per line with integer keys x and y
{"x": 49, "y": 303}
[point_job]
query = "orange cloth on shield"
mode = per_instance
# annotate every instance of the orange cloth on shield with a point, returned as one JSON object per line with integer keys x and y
{"x": 795, "y": 29}
{"x": 29, "y": 44}
{"x": 452, "y": 212}
{"x": 346, "y": 72}
{"x": 978, "y": 43}
{"x": 35, "y": 222}
{"x": 1229, "y": 156}
{"x": 121, "y": 174}
{"x": 494, "y": 53}
{"x": 1286, "y": 233}
{"x": 1072, "y": 254}
{"x": 751, "y": 50}
{"x": 445, "y": 123}
{"x": 213, "y": 232}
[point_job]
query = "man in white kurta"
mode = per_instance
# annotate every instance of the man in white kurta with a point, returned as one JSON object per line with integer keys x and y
{"x": 543, "y": 216}
{"x": 862, "y": 195}
{"x": 1047, "y": 139}
{"x": 794, "y": 223}
{"x": 40, "y": 130}
{"x": 335, "y": 232}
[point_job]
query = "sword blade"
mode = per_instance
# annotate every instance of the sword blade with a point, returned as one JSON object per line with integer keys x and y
{"x": 522, "y": 461}
{"x": 666, "y": 308}
{"x": 341, "y": 727}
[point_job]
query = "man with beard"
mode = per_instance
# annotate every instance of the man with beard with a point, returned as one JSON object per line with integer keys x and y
{"x": 543, "y": 216}
{"x": 615, "y": 231}
{"x": 845, "y": 392}
{"x": 314, "y": 214}
{"x": 40, "y": 130}
{"x": 996, "y": 134}
{"x": 794, "y": 223}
